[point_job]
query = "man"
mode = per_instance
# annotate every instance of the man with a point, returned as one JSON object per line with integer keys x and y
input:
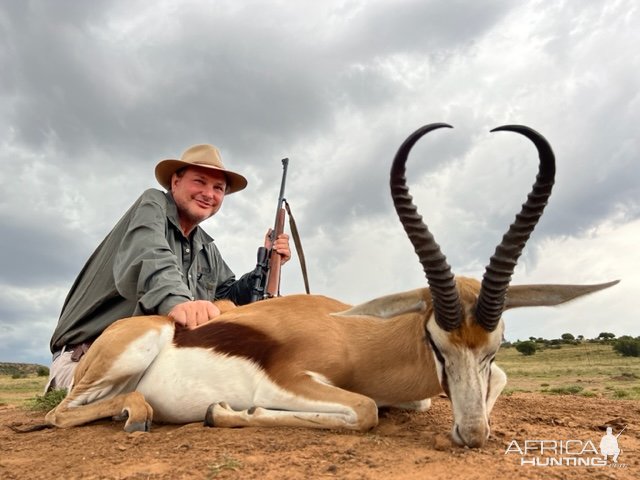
{"x": 156, "y": 260}
{"x": 609, "y": 445}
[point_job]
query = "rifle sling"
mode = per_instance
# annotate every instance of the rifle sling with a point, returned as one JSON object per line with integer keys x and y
{"x": 298, "y": 244}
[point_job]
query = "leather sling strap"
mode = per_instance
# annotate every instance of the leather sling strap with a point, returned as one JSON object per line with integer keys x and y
{"x": 298, "y": 244}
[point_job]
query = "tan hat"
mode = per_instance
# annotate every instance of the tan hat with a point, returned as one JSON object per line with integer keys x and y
{"x": 206, "y": 156}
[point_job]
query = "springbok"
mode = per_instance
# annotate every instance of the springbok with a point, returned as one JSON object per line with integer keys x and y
{"x": 311, "y": 361}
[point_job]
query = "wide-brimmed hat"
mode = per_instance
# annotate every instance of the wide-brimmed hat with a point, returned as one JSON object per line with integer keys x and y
{"x": 206, "y": 156}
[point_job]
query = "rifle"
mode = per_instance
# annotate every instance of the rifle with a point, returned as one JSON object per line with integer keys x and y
{"x": 266, "y": 276}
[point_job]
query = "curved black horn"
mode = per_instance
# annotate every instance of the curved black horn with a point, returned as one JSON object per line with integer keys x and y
{"x": 498, "y": 273}
{"x": 446, "y": 303}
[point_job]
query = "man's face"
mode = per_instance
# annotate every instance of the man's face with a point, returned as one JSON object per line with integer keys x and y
{"x": 198, "y": 193}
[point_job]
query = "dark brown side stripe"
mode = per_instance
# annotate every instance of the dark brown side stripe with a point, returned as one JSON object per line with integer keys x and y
{"x": 231, "y": 339}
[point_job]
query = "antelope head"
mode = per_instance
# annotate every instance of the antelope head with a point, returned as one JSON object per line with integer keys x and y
{"x": 463, "y": 317}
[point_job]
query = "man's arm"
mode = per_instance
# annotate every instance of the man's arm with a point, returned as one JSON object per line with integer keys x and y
{"x": 145, "y": 268}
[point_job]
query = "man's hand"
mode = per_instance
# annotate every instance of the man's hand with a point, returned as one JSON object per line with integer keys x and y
{"x": 281, "y": 245}
{"x": 192, "y": 314}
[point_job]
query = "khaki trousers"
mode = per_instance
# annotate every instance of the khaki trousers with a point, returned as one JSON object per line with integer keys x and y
{"x": 61, "y": 372}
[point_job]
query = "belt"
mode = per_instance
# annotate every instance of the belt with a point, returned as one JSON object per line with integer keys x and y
{"x": 77, "y": 350}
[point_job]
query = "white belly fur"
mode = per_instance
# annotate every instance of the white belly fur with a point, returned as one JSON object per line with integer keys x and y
{"x": 181, "y": 383}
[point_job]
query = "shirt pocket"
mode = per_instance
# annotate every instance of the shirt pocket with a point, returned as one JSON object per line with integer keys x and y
{"x": 206, "y": 284}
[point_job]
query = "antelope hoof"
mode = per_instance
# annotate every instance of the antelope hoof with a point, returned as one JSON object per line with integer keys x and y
{"x": 208, "y": 418}
{"x": 131, "y": 427}
{"x": 121, "y": 417}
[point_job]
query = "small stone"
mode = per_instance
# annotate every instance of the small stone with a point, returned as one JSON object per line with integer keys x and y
{"x": 441, "y": 442}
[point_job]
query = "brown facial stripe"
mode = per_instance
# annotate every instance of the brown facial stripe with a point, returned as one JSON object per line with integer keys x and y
{"x": 230, "y": 339}
{"x": 471, "y": 335}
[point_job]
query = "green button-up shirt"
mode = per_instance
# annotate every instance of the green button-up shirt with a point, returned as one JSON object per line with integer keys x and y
{"x": 145, "y": 266}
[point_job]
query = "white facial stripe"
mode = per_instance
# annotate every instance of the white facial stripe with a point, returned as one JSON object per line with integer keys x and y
{"x": 466, "y": 376}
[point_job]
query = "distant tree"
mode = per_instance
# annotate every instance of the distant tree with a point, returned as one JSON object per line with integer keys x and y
{"x": 527, "y": 347}
{"x": 567, "y": 336}
{"x": 606, "y": 336}
{"x": 580, "y": 338}
{"x": 627, "y": 346}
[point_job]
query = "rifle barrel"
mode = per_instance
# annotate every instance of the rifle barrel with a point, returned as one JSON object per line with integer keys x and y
{"x": 285, "y": 166}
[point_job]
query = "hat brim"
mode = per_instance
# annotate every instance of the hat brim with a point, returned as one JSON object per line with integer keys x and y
{"x": 166, "y": 168}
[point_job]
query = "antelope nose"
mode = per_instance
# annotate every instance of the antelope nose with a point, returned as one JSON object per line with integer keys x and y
{"x": 472, "y": 435}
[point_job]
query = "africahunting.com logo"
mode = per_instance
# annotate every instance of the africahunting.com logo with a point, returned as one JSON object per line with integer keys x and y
{"x": 571, "y": 453}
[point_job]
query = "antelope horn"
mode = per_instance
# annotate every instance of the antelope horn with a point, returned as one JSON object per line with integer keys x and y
{"x": 497, "y": 276}
{"x": 446, "y": 304}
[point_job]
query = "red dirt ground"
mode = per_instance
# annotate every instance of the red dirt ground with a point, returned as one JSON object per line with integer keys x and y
{"x": 405, "y": 445}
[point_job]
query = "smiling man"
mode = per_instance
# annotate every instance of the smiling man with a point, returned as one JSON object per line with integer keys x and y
{"x": 156, "y": 260}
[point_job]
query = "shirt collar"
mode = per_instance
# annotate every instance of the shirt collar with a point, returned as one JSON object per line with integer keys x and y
{"x": 199, "y": 236}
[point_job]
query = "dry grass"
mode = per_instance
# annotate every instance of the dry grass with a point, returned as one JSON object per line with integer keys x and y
{"x": 587, "y": 369}
{"x": 19, "y": 391}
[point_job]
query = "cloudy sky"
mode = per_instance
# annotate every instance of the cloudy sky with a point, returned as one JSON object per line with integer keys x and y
{"x": 94, "y": 94}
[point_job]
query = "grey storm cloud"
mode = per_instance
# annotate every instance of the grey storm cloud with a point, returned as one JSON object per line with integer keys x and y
{"x": 36, "y": 256}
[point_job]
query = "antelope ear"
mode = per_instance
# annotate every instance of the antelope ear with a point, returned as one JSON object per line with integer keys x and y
{"x": 548, "y": 295}
{"x": 391, "y": 305}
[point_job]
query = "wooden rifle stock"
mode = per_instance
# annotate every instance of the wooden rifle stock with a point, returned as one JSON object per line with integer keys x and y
{"x": 275, "y": 262}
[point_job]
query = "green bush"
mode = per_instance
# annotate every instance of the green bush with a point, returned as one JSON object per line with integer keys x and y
{"x": 527, "y": 347}
{"x": 48, "y": 401}
{"x": 627, "y": 346}
{"x": 42, "y": 371}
